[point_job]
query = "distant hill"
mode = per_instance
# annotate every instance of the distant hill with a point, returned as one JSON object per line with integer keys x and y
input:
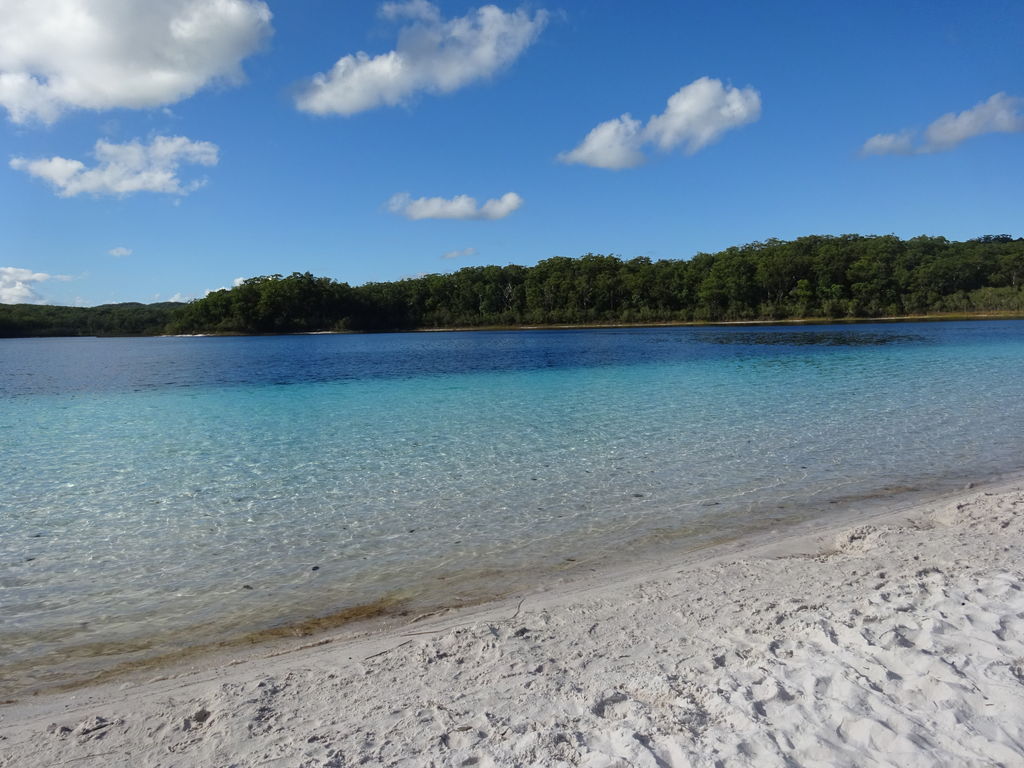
{"x": 128, "y": 319}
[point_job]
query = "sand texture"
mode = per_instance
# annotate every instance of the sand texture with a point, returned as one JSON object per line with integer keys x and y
{"x": 898, "y": 641}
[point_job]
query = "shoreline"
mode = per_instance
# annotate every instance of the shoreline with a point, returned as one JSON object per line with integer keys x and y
{"x": 657, "y": 549}
{"x": 682, "y": 613}
{"x": 795, "y": 322}
{"x": 804, "y": 321}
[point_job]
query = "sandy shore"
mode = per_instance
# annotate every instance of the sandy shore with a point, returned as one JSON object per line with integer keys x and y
{"x": 894, "y": 641}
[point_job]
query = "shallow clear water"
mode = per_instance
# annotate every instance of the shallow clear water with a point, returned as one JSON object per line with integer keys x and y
{"x": 160, "y": 493}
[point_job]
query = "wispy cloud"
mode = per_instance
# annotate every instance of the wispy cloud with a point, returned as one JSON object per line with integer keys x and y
{"x": 57, "y": 55}
{"x": 998, "y": 114}
{"x": 432, "y": 55}
{"x": 124, "y": 169}
{"x": 459, "y": 254}
{"x": 695, "y": 116}
{"x": 17, "y": 285}
{"x": 120, "y": 251}
{"x": 458, "y": 207}
{"x": 889, "y": 144}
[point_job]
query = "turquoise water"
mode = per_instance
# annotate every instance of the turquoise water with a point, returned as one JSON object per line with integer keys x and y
{"x": 163, "y": 493}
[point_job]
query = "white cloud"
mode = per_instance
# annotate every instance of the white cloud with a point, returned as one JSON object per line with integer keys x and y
{"x": 889, "y": 144}
{"x": 614, "y": 144}
{"x": 460, "y": 254}
{"x": 57, "y": 55}
{"x": 123, "y": 169}
{"x": 432, "y": 55}
{"x": 695, "y": 116}
{"x": 998, "y": 114}
{"x": 420, "y": 10}
{"x": 180, "y": 297}
{"x": 237, "y": 282}
{"x": 120, "y": 251}
{"x": 699, "y": 113}
{"x": 458, "y": 207}
{"x": 17, "y": 285}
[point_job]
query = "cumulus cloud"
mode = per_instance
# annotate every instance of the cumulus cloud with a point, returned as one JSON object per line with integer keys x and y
{"x": 459, "y": 254}
{"x": 123, "y": 169}
{"x": 699, "y": 113}
{"x": 17, "y": 285}
{"x": 614, "y": 144}
{"x": 998, "y": 114}
{"x": 120, "y": 251}
{"x": 432, "y": 55}
{"x": 57, "y": 55}
{"x": 458, "y": 207}
{"x": 695, "y": 116}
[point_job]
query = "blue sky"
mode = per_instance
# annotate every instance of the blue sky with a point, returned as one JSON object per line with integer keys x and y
{"x": 225, "y": 158}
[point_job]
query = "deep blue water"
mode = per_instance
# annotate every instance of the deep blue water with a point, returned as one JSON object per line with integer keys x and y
{"x": 158, "y": 492}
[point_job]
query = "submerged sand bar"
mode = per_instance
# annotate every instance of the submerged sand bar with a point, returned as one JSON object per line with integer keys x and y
{"x": 897, "y": 640}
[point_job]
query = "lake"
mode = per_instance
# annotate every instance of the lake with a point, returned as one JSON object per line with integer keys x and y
{"x": 165, "y": 493}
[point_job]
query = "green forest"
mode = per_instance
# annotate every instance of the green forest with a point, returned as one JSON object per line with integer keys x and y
{"x": 819, "y": 276}
{"x": 127, "y": 319}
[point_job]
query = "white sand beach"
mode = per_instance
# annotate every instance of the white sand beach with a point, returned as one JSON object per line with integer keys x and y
{"x": 897, "y": 640}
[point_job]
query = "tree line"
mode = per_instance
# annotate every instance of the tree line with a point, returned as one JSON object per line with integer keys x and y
{"x": 819, "y": 276}
{"x": 127, "y": 319}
